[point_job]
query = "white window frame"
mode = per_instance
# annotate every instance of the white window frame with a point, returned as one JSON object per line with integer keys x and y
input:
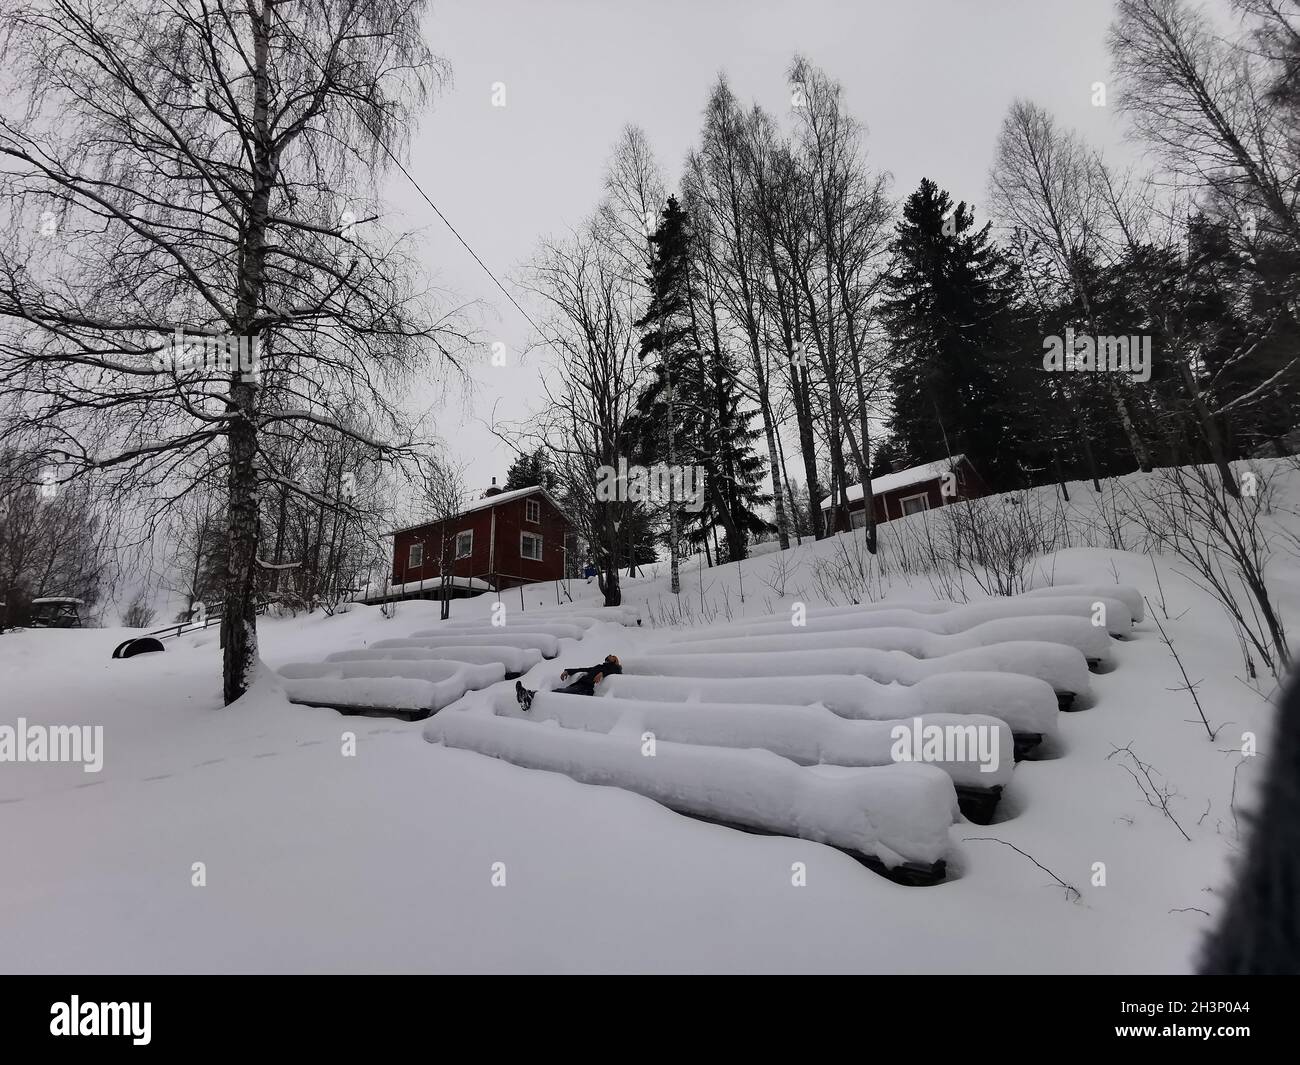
{"x": 531, "y": 507}
{"x": 524, "y": 536}
{"x": 415, "y": 556}
{"x": 924, "y": 497}
{"x": 469, "y": 551}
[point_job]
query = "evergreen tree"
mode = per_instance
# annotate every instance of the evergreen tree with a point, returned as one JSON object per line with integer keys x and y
{"x": 733, "y": 461}
{"x": 956, "y": 339}
{"x": 884, "y": 457}
{"x": 531, "y": 469}
{"x": 665, "y": 425}
{"x": 709, "y": 428}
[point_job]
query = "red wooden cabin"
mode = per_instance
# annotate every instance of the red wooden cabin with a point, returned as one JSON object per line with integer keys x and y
{"x": 503, "y": 540}
{"x": 903, "y": 492}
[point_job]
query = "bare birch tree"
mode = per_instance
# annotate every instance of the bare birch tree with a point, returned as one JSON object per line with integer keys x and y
{"x": 596, "y": 376}
{"x": 1041, "y": 183}
{"x": 203, "y": 170}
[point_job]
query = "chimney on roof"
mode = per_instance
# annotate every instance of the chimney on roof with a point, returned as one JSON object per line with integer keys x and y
{"x": 493, "y": 491}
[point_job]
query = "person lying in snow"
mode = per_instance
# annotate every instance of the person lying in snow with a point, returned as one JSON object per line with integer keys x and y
{"x": 585, "y": 684}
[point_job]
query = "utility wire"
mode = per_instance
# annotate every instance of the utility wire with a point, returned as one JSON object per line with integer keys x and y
{"x": 454, "y": 232}
{"x": 464, "y": 243}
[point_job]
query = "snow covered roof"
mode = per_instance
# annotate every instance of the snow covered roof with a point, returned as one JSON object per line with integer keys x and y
{"x": 490, "y": 501}
{"x": 891, "y": 482}
{"x": 59, "y": 599}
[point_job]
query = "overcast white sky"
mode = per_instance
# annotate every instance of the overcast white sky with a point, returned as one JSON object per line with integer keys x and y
{"x": 931, "y": 80}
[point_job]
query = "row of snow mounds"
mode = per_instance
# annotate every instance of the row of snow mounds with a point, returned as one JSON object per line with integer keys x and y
{"x": 514, "y": 659}
{"x": 893, "y": 818}
{"x": 379, "y": 685}
{"x": 562, "y": 632}
{"x": 1064, "y": 668}
{"x": 433, "y": 670}
{"x": 544, "y": 642}
{"x": 628, "y": 616}
{"x": 807, "y": 735}
{"x": 1028, "y": 705}
{"x": 1078, "y": 634}
{"x": 1118, "y": 619}
{"x": 1131, "y": 597}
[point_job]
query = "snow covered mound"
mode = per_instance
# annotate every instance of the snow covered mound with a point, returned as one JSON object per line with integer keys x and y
{"x": 614, "y": 615}
{"x": 1112, "y": 613}
{"x": 406, "y": 696}
{"x": 416, "y": 675}
{"x": 1078, "y": 633}
{"x": 528, "y": 627}
{"x": 1064, "y": 668}
{"x": 895, "y": 816}
{"x": 514, "y": 659}
{"x": 1028, "y": 705}
{"x": 1131, "y": 597}
{"x": 965, "y": 690}
{"x": 981, "y": 754}
{"x": 540, "y": 641}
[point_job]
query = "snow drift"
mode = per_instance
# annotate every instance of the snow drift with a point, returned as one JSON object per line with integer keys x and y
{"x": 1077, "y": 633}
{"x": 390, "y": 692}
{"x": 1064, "y": 668}
{"x": 514, "y": 659}
{"x": 894, "y": 814}
{"x": 808, "y": 735}
{"x": 1117, "y": 619}
{"x": 560, "y": 631}
{"x": 541, "y": 641}
{"x": 1026, "y": 704}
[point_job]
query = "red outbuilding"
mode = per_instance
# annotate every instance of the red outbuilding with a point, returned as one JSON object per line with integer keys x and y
{"x": 903, "y": 492}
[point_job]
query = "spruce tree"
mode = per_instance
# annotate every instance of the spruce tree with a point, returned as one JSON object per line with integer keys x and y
{"x": 531, "y": 469}
{"x": 955, "y": 343}
{"x": 734, "y": 461}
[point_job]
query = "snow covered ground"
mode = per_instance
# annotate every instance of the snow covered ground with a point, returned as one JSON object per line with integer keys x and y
{"x": 415, "y": 856}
